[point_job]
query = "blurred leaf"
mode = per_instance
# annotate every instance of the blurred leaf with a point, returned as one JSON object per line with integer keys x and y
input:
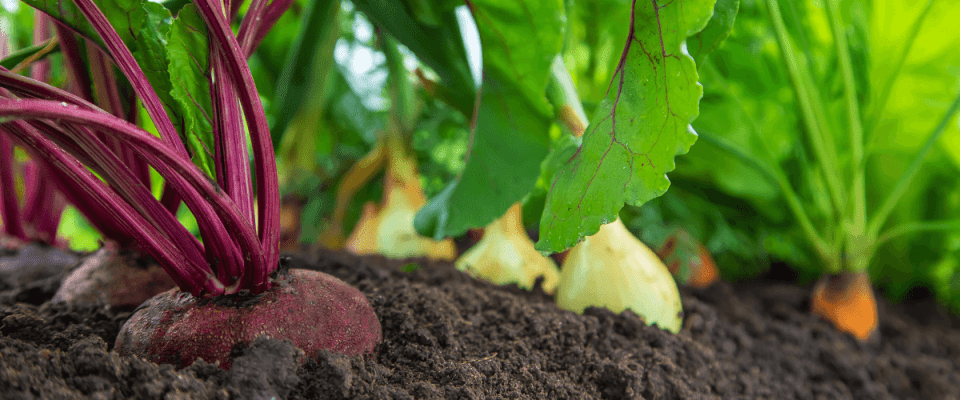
{"x": 78, "y": 232}
{"x": 510, "y": 140}
{"x": 707, "y": 40}
{"x": 15, "y": 58}
{"x": 307, "y": 63}
{"x": 597, "y": 30}
{"x": 928, "y": 81}
{"x": 441, "y": 46}
{"x": 636, "y": 131}
{"x": 351, "y": 114}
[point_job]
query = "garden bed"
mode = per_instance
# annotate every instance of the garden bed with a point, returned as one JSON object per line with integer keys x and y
{"x": 449, "y": 336}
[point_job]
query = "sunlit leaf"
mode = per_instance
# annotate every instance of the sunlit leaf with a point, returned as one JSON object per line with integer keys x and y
{"x": 636, "y": 131}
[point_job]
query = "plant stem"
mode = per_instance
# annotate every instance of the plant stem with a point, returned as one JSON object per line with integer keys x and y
{"x": 250, "y": 25}
{"x": 265, "y": 165}
{"x": 9, "y": 205}
{"x": 857, "y": 226}
{"x": 230, "y": 149}
{"x": 270, "y": 17}
{"x": 562, "y": 93}
{"x": 917, "y": 227}
{"x": 198, "y": 192}
{"x": 128, "y": 65}
{"x": 813, "y": 116}
{"x": 73, "y": 61}
{"x": 901, "y": 188}
{"x": 42, "y": 32}
{"x": 189, "y": 274}
{"x": 771, "y": 171}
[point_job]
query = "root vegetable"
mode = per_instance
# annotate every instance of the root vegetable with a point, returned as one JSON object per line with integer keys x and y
{"x": 613, "y": 269}
{"x": 506, "y": 255}
{"x": 313, "y": 310}
{"x": 116, "y": 278}
{"x": 389, "y": 230}
{"x": 847, "y": 301}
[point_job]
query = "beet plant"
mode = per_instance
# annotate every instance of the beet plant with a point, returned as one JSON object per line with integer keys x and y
{"x": 188, "y": 70}
{"x": 117, "y": 274}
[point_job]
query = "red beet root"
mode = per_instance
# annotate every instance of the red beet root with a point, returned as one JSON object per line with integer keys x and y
{"x": 313, "y": 310}
{"x": 120, "y": 279}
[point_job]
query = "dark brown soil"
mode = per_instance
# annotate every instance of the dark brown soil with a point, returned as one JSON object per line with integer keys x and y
{"x": 447, "y": 336}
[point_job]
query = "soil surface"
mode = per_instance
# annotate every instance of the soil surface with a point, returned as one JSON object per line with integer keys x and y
{"x": 448, "y": 336}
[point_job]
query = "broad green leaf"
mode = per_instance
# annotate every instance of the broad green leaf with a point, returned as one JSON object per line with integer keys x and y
{"x": 520, "y": 40}
{"x": 719, "y": 27}
{"x": 928, "y": 81}
{"x": 503, "y": 164}
{"x": 595, "y": 33}
{"x": 440, "y": 47}
{"x": 636, "y": 131}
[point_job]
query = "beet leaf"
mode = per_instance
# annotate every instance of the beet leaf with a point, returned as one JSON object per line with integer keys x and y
{"x": 636, "y": 131}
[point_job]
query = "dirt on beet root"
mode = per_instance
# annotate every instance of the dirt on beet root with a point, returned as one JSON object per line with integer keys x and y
{"x": 448, "y": 336}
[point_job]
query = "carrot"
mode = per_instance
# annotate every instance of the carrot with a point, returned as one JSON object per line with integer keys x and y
{"x": 847, "y": 302}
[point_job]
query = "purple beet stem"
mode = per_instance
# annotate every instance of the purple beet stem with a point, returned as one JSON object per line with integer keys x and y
{"x": 67, "y": 132}
{"x": 10, "y": 211}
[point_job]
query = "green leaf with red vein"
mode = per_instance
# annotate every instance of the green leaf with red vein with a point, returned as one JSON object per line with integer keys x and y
{"x": 186, "y": 50}
{"x": 636, "y": 131}
{"x": 511, "y": 138}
